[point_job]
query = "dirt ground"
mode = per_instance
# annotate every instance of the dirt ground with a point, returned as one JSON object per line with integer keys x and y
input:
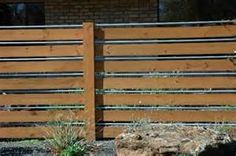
{"x": 38, "y": 148}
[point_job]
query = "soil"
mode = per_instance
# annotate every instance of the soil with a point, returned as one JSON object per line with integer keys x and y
{"x": 38, "y": 148}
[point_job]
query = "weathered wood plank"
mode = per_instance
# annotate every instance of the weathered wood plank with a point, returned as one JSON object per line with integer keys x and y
{"x": 167, "y": 99}
{"x": 167, "y": 82}
{"x": 28, "y": 132}
{"x": 41, "y": 99}
{"x": 177, "y": 65}
{"x": 41, "y": 66}
{"x": 109, "y": 132}
{"x": 166, "y": 49}
{"x": 23, "y": 132}
{"x": 89, "y": 76}
{"x": 166, "y": 32}
{"x": 40, "y": 34}
{"x": 38, "y": 116}
{"x": 167, "y": 116}
{"x": 41, "y": 51}
{"x": 112, "y": 132}
{"x": 42, "y": 83}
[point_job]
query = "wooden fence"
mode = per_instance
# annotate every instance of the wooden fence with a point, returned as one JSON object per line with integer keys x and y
{"x": 164, "y": 74}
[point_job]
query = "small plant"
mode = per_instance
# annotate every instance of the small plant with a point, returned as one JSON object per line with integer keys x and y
{"x": 143, "y": 124}
{"x": 66, "y": 138}
{"x": 222, "y": 127}
{"x": 75, "y": 149}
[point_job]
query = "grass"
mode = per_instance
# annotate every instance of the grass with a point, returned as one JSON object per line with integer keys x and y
{"x": 143, "y": 124}
{"x": 66, "y": 138}
{"x": 31, "y": 142}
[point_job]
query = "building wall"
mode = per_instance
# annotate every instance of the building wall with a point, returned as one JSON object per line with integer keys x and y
{"x": 100, "y": 11}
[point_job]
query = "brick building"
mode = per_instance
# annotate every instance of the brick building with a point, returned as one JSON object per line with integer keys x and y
{"x": 39, "y": 12}
{"x": 112, "y": 11}
{"x": 78, "y": 11}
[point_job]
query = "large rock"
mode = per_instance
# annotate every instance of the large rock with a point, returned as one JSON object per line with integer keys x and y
{"x": 172, "y": 140}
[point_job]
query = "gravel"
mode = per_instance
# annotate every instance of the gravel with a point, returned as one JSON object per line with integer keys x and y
{"x": 38, "y": 148}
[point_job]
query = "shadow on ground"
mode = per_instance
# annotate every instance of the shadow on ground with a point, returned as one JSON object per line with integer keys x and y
{"x": 223, "y": 150}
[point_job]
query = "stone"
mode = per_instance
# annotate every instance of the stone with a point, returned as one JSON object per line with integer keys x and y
{"x": 172, "y": 140}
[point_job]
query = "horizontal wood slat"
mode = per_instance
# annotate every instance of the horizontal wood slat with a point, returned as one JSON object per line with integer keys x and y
{"x": 168, "y": 82}
{"x": 41, "y": 66}
{"x": 167, "y": 99}
{"x": 27, "y": 132}
{"x": 107, "y": 132}
{"x": 42, "y": 83}
{"x": 177, "y": 65}
{"x": 167, "y": 49}
{"x": 37, "y": 116}
{"x": 41, "y": 34}
{"x": 41, "y": 132}
{"x": 41, "y": 99}
{"x": 166, "y": 32}
{"x": 112, "y": 132}
{"x": 133, "y": 99}
{"x": 23, "y": 132}
{"x": 165, "y": 116}
{"x": 40, "y": 51}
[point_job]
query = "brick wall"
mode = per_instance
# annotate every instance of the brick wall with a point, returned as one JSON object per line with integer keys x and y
{"x": 100, "y": 11}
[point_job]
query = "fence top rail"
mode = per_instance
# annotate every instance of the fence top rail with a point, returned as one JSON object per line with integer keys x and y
{"x": 166, "y": 23}
{"x": 42, "y": 26}
{"x": 39, "y": 42}
{"x": 122, "y": 24}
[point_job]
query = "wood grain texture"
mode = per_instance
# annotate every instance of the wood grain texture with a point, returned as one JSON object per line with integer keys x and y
{"x": 41, "y": 99}
{"x": 166, "y": 32}
{"x": 167, "y": 99}
{"x": 168, "y": 82}
{"x": 40, "y": 34}
{"x": 23, "y": 132}
{"x": 177, "y": 65}
{"x": 41, "y": 51}
{"x": 41, "y": 132}
{"x": 28, "y": 132}
{"x": 167, "y": 116}
{"x": 38, "y": 116}
{"x": 109, "y": 132}
{"x": 113, "y": 132}
{"x": 90, "y": 115}
{"x": 166, "y": 49}
{"x": 42, "y": 83}
{"x": 89, "y": 76}
{"x": 41, "y": 66}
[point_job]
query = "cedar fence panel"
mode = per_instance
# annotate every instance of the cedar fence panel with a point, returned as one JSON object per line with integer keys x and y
{"x": 111, "y": 77}
{"x": 170, "y": 75}
{"x": 40, "y": 79}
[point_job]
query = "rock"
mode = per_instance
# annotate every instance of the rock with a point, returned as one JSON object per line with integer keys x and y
{"x": 171, "y": 140}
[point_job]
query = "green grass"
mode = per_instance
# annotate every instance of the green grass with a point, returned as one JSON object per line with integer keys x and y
{"x": 66, "y": 138}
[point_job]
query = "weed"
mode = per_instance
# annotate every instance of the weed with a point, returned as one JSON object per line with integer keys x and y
{"x": 143, "y": 124}
{"x": 66, "y": 138}
{"x": 30, "y": 142}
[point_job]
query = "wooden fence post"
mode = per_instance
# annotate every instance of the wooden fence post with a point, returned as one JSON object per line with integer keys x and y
{"x": 89, "y": 76}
